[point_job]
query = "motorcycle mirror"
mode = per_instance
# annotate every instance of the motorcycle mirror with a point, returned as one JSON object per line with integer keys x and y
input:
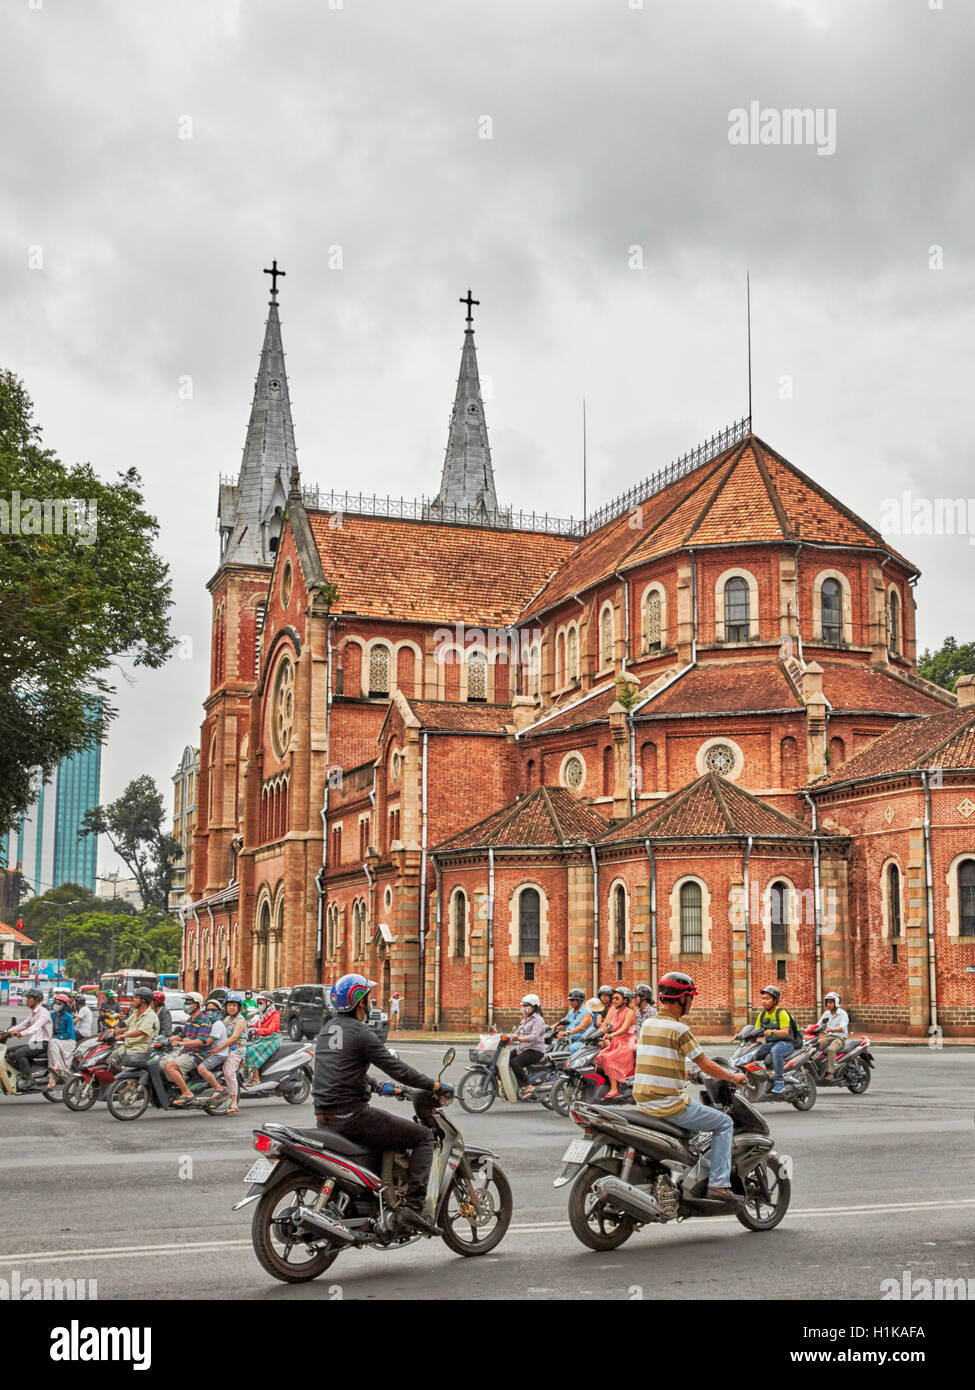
{"x": 448, "y": 1057}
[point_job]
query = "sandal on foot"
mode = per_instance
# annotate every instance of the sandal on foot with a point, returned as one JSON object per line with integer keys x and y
{"x": 182, "y": 1101}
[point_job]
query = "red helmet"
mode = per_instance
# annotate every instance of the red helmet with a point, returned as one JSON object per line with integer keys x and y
{"x": 159, "y": 996}
{"x": 676, "y": 986}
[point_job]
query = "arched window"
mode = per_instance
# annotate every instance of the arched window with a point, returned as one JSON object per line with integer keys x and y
{"x": 535, "y": 671}
{"x": 837, "y": 751}
{"x": 619, "y": 920}
{"x": 212, "y": 781}
{"x": 831, "y": 604}
{"x": 379, "y": 671}
{"x": 779, "y": 913}
{"x": 476, "y": 678}
{"x": 966, "y": 897}
{"x": 349, "y": 675}
{"x": 561, "y": 675}
{"x": 648, "y": 767}
{"x": 737, "y": 618}
{"x": 572, "y": 648}
{"x": 460, "y": 923}
{"x": 529, "y": 922}
{"x": 653, "y": 622}
{"x": 406, "y": 671}
{"x": 606, "y": 637}
{"x": 894, "y": 623}
{"x": 690, "y": 919}
{"x": 608, "y": 771}
{"x": 893, "y": 900}
{"x": 530, "y": 774}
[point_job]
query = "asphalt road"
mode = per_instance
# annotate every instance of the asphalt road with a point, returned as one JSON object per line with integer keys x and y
{"x": 882, "y": 1184}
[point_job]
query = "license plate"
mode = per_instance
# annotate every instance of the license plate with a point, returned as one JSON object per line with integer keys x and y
{"x": 577, "y": 1152}
{"x": 260, "y": 1170}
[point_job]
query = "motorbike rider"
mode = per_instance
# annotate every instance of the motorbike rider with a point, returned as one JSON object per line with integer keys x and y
{"x": 163, "y": 1014}
{"x": 529, "y": 1039}
{"x": 644, "y": 1004}
{"x": 265, "y": 1035}
{"x": 109, "y": 1011}
{"x": 605, "y": 996}
{"x": 666, "y": 1044}
{"x": 615, "y": 1059}
{"x": 236, "y": 1045}
{"x": 576, "y": 1021}
{"x": 193, "y": 1044}
{"x": 835, "y": 1024}
{"x": 775, "y": 1024}
{"x": 83, "y": 1021}
{"x": 137, "y": 1034}
{"x": 63, "y": 1042}
{"x": 36, "y": 1032}
{"x": 345, "y": 1049}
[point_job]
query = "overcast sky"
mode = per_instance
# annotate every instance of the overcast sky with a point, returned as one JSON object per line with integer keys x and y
{"x": 160, "y": 155}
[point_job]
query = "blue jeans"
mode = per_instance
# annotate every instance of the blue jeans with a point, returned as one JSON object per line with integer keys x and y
{"x": 698, "y": 1117}
{"x": 779, "y": 1052}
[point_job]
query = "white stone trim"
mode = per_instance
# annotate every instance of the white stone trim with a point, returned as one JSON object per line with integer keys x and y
{"x": 573, "y": 753}
{"x": 456, "y": 891}
{"x": 607, "y": 659}
{"x": 611, "y": 918}
{"x": 675, "y": 949}
{"x": 514, "y": 944}
{"x": 417, "y": 692}
{"x": 793, "y": 904}
{"x": 391, "y": 669}
{"x": 952, "y": 903}
{"x": 753, "y": 622}
{"x": 892, "y": 859}
{"x": 846, "y": 605}
{"x": 895, "y": 590}
{"x": 655, "y": 587}
{"x": 728, "y": 742}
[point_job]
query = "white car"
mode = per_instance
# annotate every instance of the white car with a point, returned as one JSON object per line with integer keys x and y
{"x": 174, "y": 1003}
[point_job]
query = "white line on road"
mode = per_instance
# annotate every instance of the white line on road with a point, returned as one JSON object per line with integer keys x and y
{"x": 123, "y": 1252}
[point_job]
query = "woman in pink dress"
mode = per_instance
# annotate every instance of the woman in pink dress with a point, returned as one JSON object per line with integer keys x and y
{"x": 617, "y": 1059}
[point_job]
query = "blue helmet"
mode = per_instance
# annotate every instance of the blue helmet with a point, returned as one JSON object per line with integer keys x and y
{"x": 348, "y": 993}
{"x": 233, "y": 996}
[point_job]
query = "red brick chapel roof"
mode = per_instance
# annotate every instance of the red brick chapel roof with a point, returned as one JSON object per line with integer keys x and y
{"x": 548, "y": 816}
{"x": 945, "y": 740}
{"x": 710, "y": 806}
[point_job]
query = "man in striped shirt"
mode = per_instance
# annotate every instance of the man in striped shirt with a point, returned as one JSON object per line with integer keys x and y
{"x": 666, "y": 1044}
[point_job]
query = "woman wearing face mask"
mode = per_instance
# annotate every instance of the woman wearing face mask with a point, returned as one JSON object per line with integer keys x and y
{"x": 236, "y": 1024}
{"x": 61, "y": 1047}
{"x": 617, "y": 1058}
{"x": 530, "y": 1041}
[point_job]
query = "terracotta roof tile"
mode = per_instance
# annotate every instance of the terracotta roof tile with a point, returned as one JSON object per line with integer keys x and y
{"x": 856, "y": 687}
{"x": 581, "y": 711}
{"x": 434, "y": 572}
{"x": 710, "y": 806}
{"x": 945, "y": 740}
{"x": 442, "y": 716}
{"x": 725, "y": 686}
{"x": 548, "y": 816}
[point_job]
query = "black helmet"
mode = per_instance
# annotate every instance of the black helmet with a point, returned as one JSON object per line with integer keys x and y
{"x": 604, "y": 989}
{"x": 774, "y": 990}
{"x": 675, "y": 985}
{"x": 625, "y": 991}
{"x": 577, "y": 995}
{"x": 644, "y": 992}
{"x": 142, "y": 993}
{"x": 33, "y": 994}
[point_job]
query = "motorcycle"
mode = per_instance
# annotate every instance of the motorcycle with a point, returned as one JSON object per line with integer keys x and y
{"x": 854, "y": 1061}
{"x": 13, "y": 1084}
{"x": 286, "y": 1073}
{"x": 798, "y": 1077}
{"x": 91, "y": 1076}
{"x": 631, "y": 1169}
{"x": 318, "y": 1193}
{"x": 491, "y": 1075}
{"x": 582, "y": 1081}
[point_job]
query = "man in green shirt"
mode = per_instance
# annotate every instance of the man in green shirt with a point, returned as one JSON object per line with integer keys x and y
{"x": 137, "y": 1032}
{"x": 776, "y": 1026}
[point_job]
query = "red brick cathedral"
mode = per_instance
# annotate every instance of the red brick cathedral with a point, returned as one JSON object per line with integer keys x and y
{"x": 472, "y": 752}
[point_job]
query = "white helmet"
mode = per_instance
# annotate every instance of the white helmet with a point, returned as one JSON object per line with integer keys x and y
{"x": 833, "y": 995}
{"x": 532, "y": 999}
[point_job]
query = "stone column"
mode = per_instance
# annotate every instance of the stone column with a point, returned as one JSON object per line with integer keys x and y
{"x": 877, "y": 594}
{"x": 479, "y": 957}
{"x": 812, "y": 692}
{"x": 579, "y": 941}
{"x": 685, "y": 614}
{"x": 837, "y": 954}
{"x": 916, "y": 931}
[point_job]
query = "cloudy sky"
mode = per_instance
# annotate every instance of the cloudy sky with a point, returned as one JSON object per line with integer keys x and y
{"x": 570, "y": 161}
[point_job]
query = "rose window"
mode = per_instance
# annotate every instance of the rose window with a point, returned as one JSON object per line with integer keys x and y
{"x": 283, "y": 708}
{"x": 574, "y": 772}
{"x": 720, "y": 758}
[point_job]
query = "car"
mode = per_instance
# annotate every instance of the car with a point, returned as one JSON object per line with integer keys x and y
{"x": 176, "y": 1004}
{"x": 307, "y": 1008}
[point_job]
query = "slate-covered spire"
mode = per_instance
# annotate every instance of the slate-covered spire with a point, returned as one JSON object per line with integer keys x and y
{"x": 468, "y": 479}
{"x": 250, "y": 512}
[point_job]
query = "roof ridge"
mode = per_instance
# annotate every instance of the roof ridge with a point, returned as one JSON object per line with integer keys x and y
{"x": 706, "y": 473}
{"x": 767, "y": 806}
{"x": 722, "y": 804}
{"x": 551, "y": 812}
{"x": 966, "y": 711}
{"x": 677, "y": 799}
{"x": 732, "y": 465}
{"x": 772, "y": 490}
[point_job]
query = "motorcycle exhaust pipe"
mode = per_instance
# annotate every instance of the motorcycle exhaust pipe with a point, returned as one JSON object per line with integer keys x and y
{"x": 642, "y": 1206}
{"x": 317, "y": 1222}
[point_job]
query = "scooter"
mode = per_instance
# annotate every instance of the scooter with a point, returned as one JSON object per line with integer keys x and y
{"x": 854, "y": 1061}
{"x": 631, "y": 1169}
{"x": 798, "y": 1077}
{"x": 144, "y": 1083}
{"x": 286, "y": 1073}
{"x": 491, "y": 1075}
{"x": 581, "y": 1080}
{"x": 91, "y": 1076}
{"x": 318, "y": 1193}
{"x": 13, "y": 1084}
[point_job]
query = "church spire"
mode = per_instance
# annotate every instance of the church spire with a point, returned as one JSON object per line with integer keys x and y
{"x": 251, "y": 513}
{"x": 468, "y": 479}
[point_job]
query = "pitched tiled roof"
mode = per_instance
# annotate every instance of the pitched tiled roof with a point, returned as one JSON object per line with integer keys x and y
{"x": 548, "y": 816}
{"x": 433, "y": 572}
{"x": 581, "y": 711}
{"x": 945, "y": 740}
{"x": 867, "y": 688}
{"x": 442, "y": 716}
{"x": 12, "y": 934}
{"x": 714, "y": 687}
{"x": 710, "y": 806}
{"x": 748, "y": 493}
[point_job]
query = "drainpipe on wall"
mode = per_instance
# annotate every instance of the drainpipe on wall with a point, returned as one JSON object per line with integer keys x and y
{"x": 369, "y": 915}
{"x": 798, "y": 628}
{"x": 213, "y": 943}
{"x": 182, "y": 944}
{"x": 320, "y": 876}
{"x": 653, "y": 912}
{"x": 748, "y": 926}
{"x": 423, "y": 879}
{"x": 694, "y": 592}
{"x": 817, "y": 899}
{"x": 436, "y": 956}
{"x": 929, "y": 885}
{"x": 490, "y": 963}
{"x": 196, "y": 919}
{"x": 626, "y": 614}
{"x": 595, "y": 918}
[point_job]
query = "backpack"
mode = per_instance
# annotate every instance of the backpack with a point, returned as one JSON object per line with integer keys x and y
{"x": 795, "y": 1037}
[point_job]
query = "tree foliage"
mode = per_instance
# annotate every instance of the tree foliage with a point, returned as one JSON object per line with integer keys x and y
{"x": 134, "y": 825}
{"x": 70, "y": 603}
{"x": 948, "y": 663}
{"x": 57, "y": 904}
{"x": 94, "y": 942}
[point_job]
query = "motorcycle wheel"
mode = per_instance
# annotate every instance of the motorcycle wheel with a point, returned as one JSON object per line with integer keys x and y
{"x": 807, "y": 1097}
{"x": 476, "y": 1092}
{"x": 753, "y": 1093}
{"x": 767, "y": 1196}
{"x": 590, "y": 1221}
{"x": 128, "y": 1099}
{"x": 301, "y": 1092}
{"x": 56, "y": 1094}
{"x": 858, "y": 1078}
{"x": 283, "y": 1253}
{"x": 79, "y": 1094}
{"x": 563, "y": 1096}
{"x": 474, "y": 1228}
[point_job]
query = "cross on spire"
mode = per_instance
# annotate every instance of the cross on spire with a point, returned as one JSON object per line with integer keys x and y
{"x": 274, "y": 273}
{"x": 469, "y": 302}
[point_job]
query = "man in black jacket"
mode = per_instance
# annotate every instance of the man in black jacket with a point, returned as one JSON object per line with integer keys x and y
{"x": 345, "y": 1050}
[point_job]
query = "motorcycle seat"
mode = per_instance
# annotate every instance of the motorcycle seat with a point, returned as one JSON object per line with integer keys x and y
{"x": 633, "y": 1115}
{"x": 338, "y": 1144}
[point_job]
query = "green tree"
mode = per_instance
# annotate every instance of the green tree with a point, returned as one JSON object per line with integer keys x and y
{"x": 134, "y": 825}
{"x": 948, "y": 663}
{"x": 99, "y": 941}
{"x": 79, "y": 586}
{"x": 70, "y": 900}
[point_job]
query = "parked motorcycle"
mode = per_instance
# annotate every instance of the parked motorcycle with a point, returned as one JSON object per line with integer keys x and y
{"x": 631, "y": 1169}
{"x": 318, "y": 1193}
{"x": 491, "y": 1076}
{"x": 581, "y": 1080}
{"x": 854, "y": 1061}
{"x": 798, "y": 1077}
{"x": 13, "y": 1084}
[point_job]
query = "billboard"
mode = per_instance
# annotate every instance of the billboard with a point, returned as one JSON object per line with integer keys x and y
{"x": 27, "y": 969}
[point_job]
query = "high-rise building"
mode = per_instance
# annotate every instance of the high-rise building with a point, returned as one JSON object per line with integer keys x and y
{"x": 45, "y": 844}
{"x": 184, "y": 824}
